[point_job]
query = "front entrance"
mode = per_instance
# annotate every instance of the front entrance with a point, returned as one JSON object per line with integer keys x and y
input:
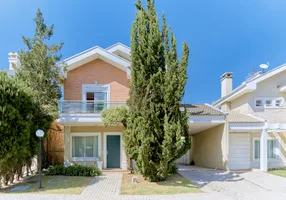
{"x": 113, "y": 151}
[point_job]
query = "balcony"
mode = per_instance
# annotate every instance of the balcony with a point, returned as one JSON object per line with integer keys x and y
{"x": 86, "y": 107}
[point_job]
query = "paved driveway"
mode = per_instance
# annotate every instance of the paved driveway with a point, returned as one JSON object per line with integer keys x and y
{"x": 240, "y": 185}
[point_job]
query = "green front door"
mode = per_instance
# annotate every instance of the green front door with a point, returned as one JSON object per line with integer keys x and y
{"x": 113, "y": 151}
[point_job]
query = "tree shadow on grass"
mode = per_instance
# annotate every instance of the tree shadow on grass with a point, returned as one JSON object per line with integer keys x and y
{"x": 53, "y": 185}
{"x": 176, "y": 180}
{"x": 174, "y": 184}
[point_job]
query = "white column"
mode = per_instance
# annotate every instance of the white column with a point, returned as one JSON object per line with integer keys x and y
{"x": 263, "y": 150}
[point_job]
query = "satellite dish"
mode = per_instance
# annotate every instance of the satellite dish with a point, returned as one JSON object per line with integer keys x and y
{"x": 263, "y": 66}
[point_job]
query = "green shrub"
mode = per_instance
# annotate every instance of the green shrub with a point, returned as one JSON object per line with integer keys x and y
{"x": 173, "y": 169}
{"x": 74, "y": 170}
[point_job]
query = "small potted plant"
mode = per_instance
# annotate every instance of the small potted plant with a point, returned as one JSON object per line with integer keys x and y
{"x": 99, "y": 163}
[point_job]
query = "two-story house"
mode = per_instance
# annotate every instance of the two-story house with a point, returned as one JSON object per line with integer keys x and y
{"x": 254, "y": 134}
{"x": 98, "y": 79}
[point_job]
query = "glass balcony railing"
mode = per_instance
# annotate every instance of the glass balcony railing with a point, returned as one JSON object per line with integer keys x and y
{"x": 86, "y": 107}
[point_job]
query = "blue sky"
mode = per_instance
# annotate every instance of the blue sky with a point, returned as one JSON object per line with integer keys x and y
{"x": 223, "y": 35}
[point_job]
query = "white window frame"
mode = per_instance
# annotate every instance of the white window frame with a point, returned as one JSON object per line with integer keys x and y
{"x": 95, "y": 88}
{"x": 282, "y": 102}
{"x": 273, "y": 102}
{"x": 88, "y": 159}
{"x": 261, "y": 103}
{"x": 268, "y": 139}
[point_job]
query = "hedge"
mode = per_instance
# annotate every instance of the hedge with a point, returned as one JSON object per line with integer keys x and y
{"x": 74, "y": 170}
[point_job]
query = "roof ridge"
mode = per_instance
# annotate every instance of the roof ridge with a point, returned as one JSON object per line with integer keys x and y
{"x": 275, "y": 68}
{"x": 80, "y": 53}
{"x": 244, "y": 83}
{"x": 251, "y": 115}
{"x": 220, "y": 110}
{"x": 116, "y": 44}
{"x": 202, "y": 110}
{"x": 90, "y": 49}
{"x": 237, "y": 117}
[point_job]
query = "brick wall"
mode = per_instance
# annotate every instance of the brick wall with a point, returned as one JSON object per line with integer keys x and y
{"x": 100, "y": 72}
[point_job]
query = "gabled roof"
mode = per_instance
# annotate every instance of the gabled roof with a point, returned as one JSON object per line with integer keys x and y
{"x": 250, "y": 85}
{"x": 203, "y": 110}
{"x": 120, "y": 50}
{"x": 97, "y": 52}
{"x": 238, "y": 117}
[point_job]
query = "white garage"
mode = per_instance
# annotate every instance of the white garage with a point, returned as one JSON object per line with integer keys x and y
{"x": 239, "y": 151}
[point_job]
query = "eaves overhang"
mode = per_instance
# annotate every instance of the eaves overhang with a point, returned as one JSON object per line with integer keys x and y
{"x": 97, "y": 53}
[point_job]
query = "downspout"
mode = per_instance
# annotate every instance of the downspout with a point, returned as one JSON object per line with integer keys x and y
{"x": 226, "y": 132}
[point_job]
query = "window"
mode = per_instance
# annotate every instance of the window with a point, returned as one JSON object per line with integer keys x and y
{"x": 272, "y": 149}
{"x": 269, "y": 102}
{"x": 258, "y": 103}
{"x": 99, "y": 103}
{"x": 279, "y": 103}
{"x": 85, "y": 146}
{"x": 96, "y": 97}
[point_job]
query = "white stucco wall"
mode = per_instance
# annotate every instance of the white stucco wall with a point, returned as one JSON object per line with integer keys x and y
{"x": 266, "y": 88}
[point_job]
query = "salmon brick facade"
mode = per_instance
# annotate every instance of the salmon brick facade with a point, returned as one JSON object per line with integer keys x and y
{"x": 100, "y": 72}
{"x": 96, "y": 79}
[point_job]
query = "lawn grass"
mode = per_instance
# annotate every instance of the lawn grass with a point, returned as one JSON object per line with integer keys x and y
{"x": 279, "y": 172}
{"x": 175, "y": 184}
{"x": 53, "y": 185}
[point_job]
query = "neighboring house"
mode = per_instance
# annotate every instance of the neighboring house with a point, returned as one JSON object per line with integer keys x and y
{"x": 254, "y": 133}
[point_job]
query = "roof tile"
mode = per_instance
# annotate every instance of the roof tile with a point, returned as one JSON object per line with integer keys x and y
{"x": 202, "y": 110}
{"x": 238, "y": 117}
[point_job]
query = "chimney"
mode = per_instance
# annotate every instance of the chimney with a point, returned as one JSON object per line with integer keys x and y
{"x": 226, "y": 83}
{"x": 14, "y": 62}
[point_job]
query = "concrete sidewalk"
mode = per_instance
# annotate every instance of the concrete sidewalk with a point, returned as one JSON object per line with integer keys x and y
{"x": 242, "y": 185}
{"x": 267, "y": 181}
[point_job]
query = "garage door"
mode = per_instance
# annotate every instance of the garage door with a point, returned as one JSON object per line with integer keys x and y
{"x": 239, "y": 151}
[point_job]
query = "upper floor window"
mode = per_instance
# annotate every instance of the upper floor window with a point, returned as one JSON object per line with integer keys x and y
{"x": 93, "y": 96}
{"x": 97, "y": 97}
{"x": 269, "y": 102}
{"x": 258, "y": 103}
{"x": 95, "y": 92}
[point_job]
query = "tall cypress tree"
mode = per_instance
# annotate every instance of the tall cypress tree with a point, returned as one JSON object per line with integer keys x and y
{"x": 157, "y": 131}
